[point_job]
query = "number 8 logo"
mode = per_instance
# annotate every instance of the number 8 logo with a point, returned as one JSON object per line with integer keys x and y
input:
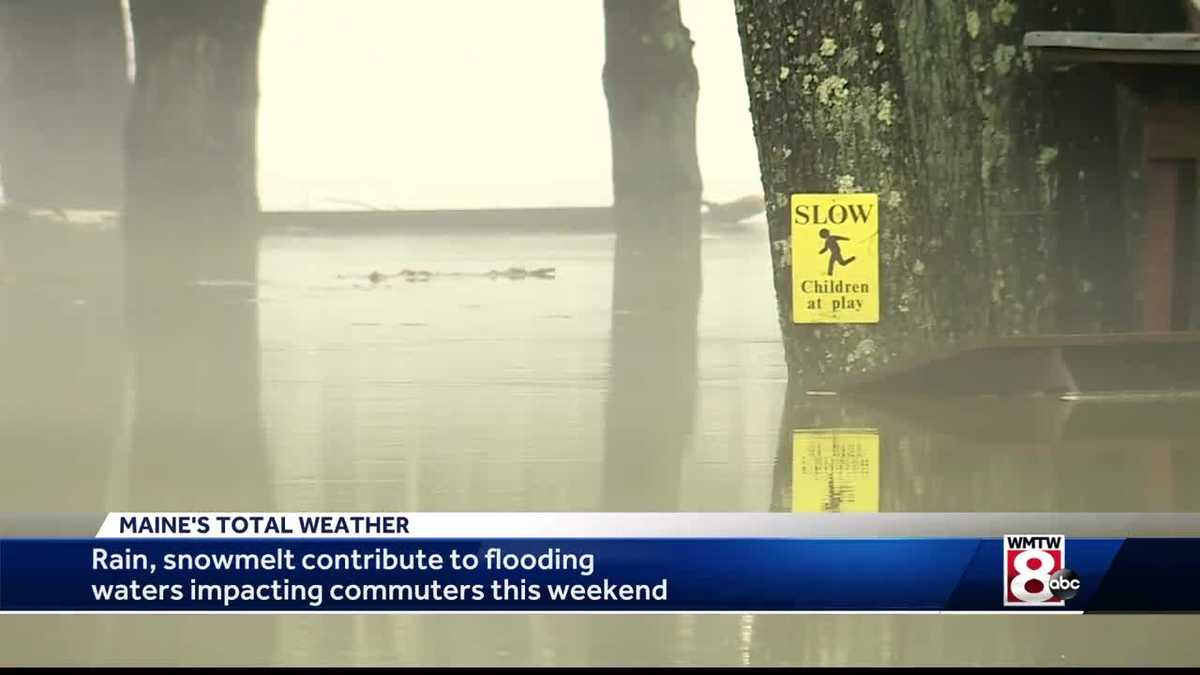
{"x": 1026, "y": 574}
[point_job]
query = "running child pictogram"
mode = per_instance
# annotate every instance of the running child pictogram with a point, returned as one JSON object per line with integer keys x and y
{"x": 834, "y": 249}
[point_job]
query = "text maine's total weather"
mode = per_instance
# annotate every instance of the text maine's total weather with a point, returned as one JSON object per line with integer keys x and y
{"x": 264, "y": 524}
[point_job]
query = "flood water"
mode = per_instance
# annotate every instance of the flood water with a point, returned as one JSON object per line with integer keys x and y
{"x": 306, "y": 386}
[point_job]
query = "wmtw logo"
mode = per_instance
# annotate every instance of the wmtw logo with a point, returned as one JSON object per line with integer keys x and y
{"x": 1035, "y": 571}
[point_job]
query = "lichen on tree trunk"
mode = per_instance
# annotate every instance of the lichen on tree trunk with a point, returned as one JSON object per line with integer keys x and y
{"x": 1000, "y": 184}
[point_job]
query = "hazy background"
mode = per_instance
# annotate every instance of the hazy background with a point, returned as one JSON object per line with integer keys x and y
{"x": 298, "y": 383}
{"x": 401, "y": 105}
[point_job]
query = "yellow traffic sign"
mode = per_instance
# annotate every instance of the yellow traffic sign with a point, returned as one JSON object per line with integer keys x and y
{"x": 835, "y": 470}
{"x": 835, "y": 258}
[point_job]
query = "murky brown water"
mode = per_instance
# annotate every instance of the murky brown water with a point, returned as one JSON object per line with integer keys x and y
{"x": 467, "y": 393}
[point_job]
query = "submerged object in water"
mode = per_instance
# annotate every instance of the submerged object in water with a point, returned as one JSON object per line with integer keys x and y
{"x": 732, "y": 213}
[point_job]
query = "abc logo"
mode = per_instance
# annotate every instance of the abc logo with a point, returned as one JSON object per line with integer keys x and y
{"x": 1035, "y": 571}
{"x": 1064, "y": 584}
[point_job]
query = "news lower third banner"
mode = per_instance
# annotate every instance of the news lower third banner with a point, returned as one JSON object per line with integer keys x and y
{"x": 602, "y": 563}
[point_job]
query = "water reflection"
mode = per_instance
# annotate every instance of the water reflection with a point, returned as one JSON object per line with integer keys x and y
{"x": 193, "y": 328}
{"x": 651, "y": 403}
{"x": 62, "y": 392}
{"x": 995, "y": 454}
{"x": 982, "y": 455}
{"x": 62, "y": 367}
{"x": 479, "y": 395}
{"x": 650, "y": 410}
{"x": 196, "y": 442}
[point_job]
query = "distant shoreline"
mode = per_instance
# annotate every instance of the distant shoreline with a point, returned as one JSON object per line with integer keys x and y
{"x": 564, "y": 220}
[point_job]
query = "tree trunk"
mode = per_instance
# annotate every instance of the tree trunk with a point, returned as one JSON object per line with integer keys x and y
{"x": 63, "y": 97}
{"x": 1000, "y": 184}
{"x": 652, "y": 88}
{"x": 192, "y": 130}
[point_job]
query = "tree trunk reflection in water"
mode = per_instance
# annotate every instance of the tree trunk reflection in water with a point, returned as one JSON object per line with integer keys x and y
{"x": 197, "y": 442}
{"x": 652, "y": 370}
{"x": 1003, "y": 455}
{"x": 651, "y": 402}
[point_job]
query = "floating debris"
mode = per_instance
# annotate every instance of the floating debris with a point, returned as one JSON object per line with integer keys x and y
{"x": 522, "y": 273}
{"x": 513, "y": 273}
{"x": 377, "y": 277}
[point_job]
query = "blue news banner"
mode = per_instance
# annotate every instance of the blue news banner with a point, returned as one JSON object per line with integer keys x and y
{"x": 595, "y": 575}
